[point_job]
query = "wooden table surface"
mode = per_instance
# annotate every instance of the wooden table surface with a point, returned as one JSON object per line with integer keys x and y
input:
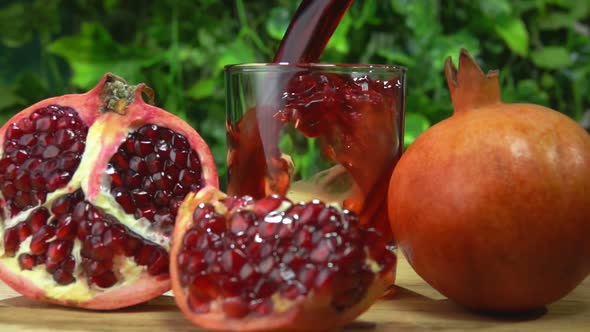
{"x": 415, "y": 307}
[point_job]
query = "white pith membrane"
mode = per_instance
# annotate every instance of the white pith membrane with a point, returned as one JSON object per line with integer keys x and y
{"x": 126, "y": 270}
{"x": 316, "y": 300}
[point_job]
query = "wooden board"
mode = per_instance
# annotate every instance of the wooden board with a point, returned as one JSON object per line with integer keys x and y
{"x": 415, "y": 307}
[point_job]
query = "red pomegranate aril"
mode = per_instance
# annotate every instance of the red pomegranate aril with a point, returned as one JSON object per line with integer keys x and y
{"x": 38, "y": 244}
{"x": 154, "y": 164}
{"x": 38, "y": 218}
{"x": 9, "y": 190}
{"x": 96, "y": 268}
{"x": 233, "y": 261}
{"x": 11, "y": 241}
{"x": 58, "y": 180}
{"x": 63, "y": 277}
{"x": 143, "y": 148}
{"x": 204, "y": 287}
{"x": 215, "y": 224}
{"x": 113, "y": 239}
{"x": 61, "y": 205}
{"x": 159, "y": 262}
{"x": 144, "y": 254}
{"x": 26, "y": 261}
{"x": 51, "y": 151}
{"x": 234, "y": 307}
{"x": 24, "y": 231}
{"x": 22, "y": 182}
{"x": 148, "y": 131}
{"x": 267, "y": 204}
{"x": 120, "y": 161}
{"x": 137, "y": 164}
{"x": 141, "y": 198}
{"x": 58, "y": 250}
{"x": 20, "y": 156}
{"x": 124, "y": 199}
{"x": 105, "y": 280}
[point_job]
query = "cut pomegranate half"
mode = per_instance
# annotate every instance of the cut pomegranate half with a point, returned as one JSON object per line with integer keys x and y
{"x": 90, "y": 186}
{"x": 244, "y": 265}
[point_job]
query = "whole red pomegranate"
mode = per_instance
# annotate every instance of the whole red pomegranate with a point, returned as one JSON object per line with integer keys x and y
{"x": 90, "y": 186}
{"x": 492, "y": 206}
{"x": 270, "y": 265}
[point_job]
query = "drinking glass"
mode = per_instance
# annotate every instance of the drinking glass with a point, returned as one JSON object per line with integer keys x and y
{"x": 332, "y": 132}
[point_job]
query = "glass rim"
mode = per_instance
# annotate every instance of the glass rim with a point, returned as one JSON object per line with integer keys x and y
{"x": 278, "y": 66}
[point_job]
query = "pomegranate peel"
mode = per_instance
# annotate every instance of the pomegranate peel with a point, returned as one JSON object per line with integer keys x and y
{"x": 228, "y": 292}
{"x": 90, "y": 186}
{"x": 491, "y": 206}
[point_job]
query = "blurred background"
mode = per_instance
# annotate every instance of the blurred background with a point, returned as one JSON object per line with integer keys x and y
{"x": 179, "y": 48}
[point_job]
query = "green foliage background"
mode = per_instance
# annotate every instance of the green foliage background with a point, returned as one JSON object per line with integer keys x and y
{"x": 52, "y": 47}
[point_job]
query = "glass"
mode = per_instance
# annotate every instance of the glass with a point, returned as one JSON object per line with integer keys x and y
{"x": 326, "y": 131}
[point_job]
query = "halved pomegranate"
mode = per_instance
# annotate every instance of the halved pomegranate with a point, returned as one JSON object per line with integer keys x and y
{"x": 90, "y": 186}
{"x": 244, "y": 265}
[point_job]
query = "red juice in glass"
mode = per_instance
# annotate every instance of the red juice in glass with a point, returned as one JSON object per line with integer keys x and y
{"x": 326, "y": 131}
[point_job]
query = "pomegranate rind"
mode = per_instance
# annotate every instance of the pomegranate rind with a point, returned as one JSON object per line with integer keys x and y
{"x": 509, "y": 231}
{"x": 145, "y": 288}
{"x": 309, "y": 313}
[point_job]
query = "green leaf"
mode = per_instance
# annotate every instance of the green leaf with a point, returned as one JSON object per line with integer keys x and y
{"x": 495, "y": 8}
{"x": 514, "y": 33}
{"x": 277, "y": 22}
{"x": 416, "y": 124}
{"x": 555, "y": 21}
{"x": 551, "y": 57}
{"x": 14, "y": 27}
{"x": 93, "y": 53}
{"x": 202, "y": 89}
{"x": 235, "y": 52}
{"x": 339, "y": 40}
{"x": 8, "y": 99}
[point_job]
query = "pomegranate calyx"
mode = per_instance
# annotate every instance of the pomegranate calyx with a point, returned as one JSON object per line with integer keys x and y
{"x": 117, "y": 94}
{"x": 469, "y": 86}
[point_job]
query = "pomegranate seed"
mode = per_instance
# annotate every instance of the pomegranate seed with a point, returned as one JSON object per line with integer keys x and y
{"x": 11, "y": 241}
{"x": 204, "y": 288}
{"x": 214, "y": 224}
{"x": 162, "y": 181}
{"x": 68, "y": 264}
{"x": 58, "y": 250}
{"x": 195, "y": 264}
{"x": 232, "y": 261}
{"x": 179, "y": 142}
{"x": 37, "y": 181}
{"x": 148, "y": 131}
{"x": 46, "y": 123}
{"x": 141, "y": 198}
{"x": 58, "y": 180}
{"x": 64, "y": 137}
{"x": 144, "y": 254}
{"x": 114, "y": 239}
{"x": 193, "y": 162}
{"x": 137, "y": 164}
{"x": 179, "y": 157}
{"x": 154, "y": 164}
{"x": 51, "y": 151}
{"x": 96, "y": 268}
{"x": 14, "y": 132}
{"x": 163, "y": 149}
{"x": 22, "y": 181}
{"x": 132, "y": 180}
{"x": 61, "y": 205}
{"x": 119, "y": 161}
{"x": 20, "y": 156}
{"x": 27, "y": 140}
{"x": 10, "y": 172}
{"x": 161, "y": 198}
{"x": 267, "y": 204}
{"x": 9, "y": 190}
{"x": 240, "y": 221}
{"x": 105, "y": 280}
{"x": 24, "y": 231}
{"x": 63, "y": 277}
{"x": 26, "y": 261}
{"x": 159, "y": 262}
{"x": 143, "y": 147}
{"x": 234, "y": 307}
{"x": 124, "y": 199}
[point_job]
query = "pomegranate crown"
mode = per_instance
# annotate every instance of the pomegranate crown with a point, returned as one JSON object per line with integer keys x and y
{"x": 469, "y": 86}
